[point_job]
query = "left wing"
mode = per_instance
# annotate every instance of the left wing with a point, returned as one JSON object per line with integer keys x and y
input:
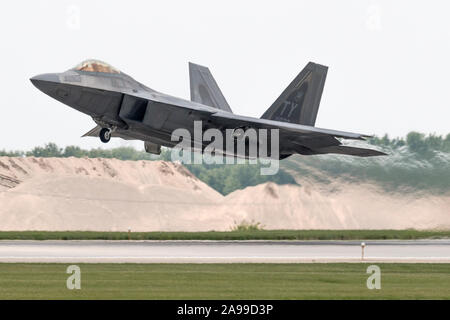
{"x": 238, "y": 121}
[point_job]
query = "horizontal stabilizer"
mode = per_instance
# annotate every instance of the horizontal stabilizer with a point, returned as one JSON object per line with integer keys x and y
{"x": 352, "y": 151}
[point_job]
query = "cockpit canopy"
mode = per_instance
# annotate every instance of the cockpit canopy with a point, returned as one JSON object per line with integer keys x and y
{"x": 95, "y": 66}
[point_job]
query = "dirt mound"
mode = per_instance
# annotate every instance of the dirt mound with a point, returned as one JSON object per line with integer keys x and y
{"x": 104, "y": 194}
{"x": 113, "y": 195}
{"x": 352, "y": 207}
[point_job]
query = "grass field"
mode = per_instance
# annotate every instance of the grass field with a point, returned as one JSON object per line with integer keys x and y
{"x": 228, "y": 235}
{"x": 225, "y": 281}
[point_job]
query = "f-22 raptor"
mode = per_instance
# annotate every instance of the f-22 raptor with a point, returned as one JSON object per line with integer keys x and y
{"x": 122, "y": 107}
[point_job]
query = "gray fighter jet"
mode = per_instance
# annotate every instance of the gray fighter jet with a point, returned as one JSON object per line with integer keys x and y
{"x": 122, "y": 107}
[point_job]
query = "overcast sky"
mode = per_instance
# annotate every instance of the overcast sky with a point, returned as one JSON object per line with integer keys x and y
{"x": 389, "y": 61}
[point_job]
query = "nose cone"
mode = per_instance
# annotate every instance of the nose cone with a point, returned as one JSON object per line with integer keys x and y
{"x": 49, "y": 77}
{"x": 45, "y": 81}
{"x": 49, "y": 84}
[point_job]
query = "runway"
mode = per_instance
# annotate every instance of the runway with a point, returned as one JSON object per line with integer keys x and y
{"x": 86, "y": 251}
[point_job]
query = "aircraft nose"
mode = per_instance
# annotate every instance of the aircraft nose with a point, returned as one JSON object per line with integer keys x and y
{"x": 47, "y": 77}
{"x": 47, "y": 82}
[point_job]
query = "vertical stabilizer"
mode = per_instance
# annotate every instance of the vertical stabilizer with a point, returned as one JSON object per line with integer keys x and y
{"x": 204, "y": 88}
{"x": 299, "y": 102}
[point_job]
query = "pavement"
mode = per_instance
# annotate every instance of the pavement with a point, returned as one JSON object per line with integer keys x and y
{"x": 99, "y": 251}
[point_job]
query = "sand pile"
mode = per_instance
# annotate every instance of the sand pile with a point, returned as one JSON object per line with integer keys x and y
{"x": 352, "y": 207}
{"x": 104, "y": 194}
{"x": 110, "y": 194}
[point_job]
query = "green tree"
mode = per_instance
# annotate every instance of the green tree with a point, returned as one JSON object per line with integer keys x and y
{"x": 446, "y": 144}
{"x": 434, "y": 142}
{"x": 416, "y": 143}
{"x": 74, "y": 151}
{"x": 49, "y": 150}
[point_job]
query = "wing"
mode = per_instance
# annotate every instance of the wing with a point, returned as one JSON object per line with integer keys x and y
{"x": 238, "y": 121}
{"x": 296, "y": 138}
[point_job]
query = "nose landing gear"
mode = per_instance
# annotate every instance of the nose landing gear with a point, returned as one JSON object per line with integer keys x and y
{"x": 105, "y": 135}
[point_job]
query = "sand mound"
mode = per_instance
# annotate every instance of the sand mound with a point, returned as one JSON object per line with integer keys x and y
{"x": 353, "y": 207}
{"x": 110, "y": 194}
{"x": 104, "y": 194}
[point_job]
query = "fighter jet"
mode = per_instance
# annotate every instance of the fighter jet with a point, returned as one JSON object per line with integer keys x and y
{"x": 123, "y": 107}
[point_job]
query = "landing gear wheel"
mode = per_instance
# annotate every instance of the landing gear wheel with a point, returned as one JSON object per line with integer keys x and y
{"x": 105, "y": 135}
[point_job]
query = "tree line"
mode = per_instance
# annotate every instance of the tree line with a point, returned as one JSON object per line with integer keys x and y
{"x": 417, "y": 161}
{"x": 416, "y": 142}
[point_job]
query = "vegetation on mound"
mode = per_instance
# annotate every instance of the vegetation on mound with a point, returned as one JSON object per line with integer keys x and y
{"x": 418, "y": 163}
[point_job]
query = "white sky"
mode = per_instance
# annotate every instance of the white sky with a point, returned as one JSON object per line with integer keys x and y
{"x": 389, "y": 60}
